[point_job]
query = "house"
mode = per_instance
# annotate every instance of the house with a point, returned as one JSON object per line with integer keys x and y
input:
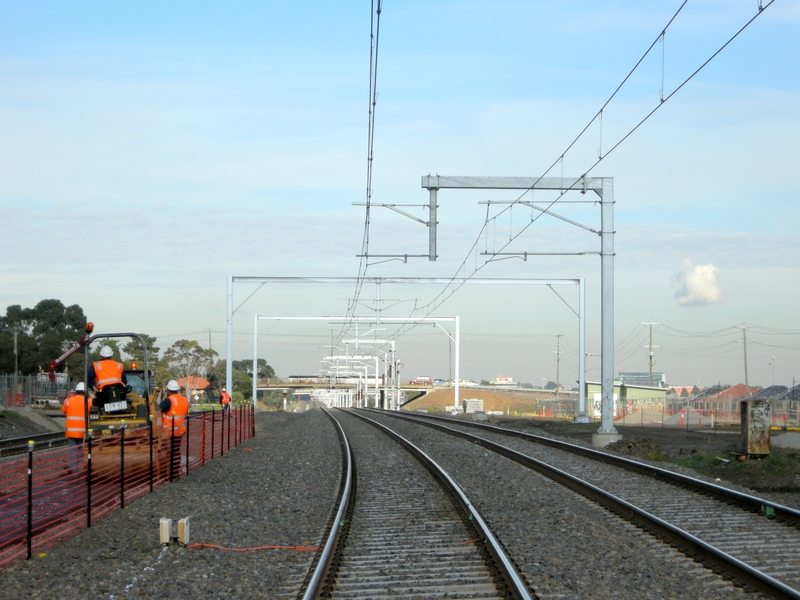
{"x": 726, "y": 400}
{"x": 196, "y": 389}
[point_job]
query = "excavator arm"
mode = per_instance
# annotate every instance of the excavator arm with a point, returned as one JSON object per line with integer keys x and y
{"x": 51, "y": 368}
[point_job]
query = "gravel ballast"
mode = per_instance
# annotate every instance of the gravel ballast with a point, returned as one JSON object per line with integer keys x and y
{"x": 277, "y": 488}
{"x": 566, "y": 546}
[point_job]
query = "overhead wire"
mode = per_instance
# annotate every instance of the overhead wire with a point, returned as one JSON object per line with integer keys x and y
{"x": 363, "y": 265}
{"x": 455, "y": 282}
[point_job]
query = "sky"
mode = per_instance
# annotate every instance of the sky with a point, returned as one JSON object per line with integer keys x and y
{"x": 150, "y": 151}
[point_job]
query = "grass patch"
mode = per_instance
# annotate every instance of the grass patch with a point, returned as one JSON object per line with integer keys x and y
{"x": 701, "y": 463}
{"x": 10, "y": 414}
{"x": 781, "y": 461}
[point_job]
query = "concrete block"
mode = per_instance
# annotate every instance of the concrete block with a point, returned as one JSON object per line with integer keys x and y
{"x": 601, "y": 440}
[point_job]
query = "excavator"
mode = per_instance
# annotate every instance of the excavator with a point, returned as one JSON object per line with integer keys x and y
{"x": 132, "y": 404}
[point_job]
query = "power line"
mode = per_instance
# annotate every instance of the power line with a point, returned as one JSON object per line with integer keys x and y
{"x": 444, "y": 295}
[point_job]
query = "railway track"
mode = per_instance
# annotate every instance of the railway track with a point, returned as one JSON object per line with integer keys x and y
{"x": 404, "y": 528}
{"x": 42, "y": 441}
{"x": 750, "y": 540}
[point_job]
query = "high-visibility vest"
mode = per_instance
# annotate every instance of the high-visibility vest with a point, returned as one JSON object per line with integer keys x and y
{"x": 174, "y": 420}
{"x": 225, "y": 398}
{"x": 74, "y": 408}
{"x": 107, "y": 372}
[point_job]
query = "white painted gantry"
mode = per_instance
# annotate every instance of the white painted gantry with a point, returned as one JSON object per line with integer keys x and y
{"x": 581, "y": 283}
{"x": 361, "y": 319}
{"x": 604, "y": 188}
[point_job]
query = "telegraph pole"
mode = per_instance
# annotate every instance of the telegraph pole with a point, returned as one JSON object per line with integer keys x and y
{"x": 16, "y": 332}
{"x": 744, "y": 340}
{"x": 650, "y": 352}
{"x": 558, "y": 361}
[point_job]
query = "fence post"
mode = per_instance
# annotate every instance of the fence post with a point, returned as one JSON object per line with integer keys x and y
{"x": 203, "y": 442}
{"x": 150, "y": 441}
{"x": 89, "y": 438}
{"x": 122, "y": 428}
{"x": 187, "y": 444}
{"x": 30, "y": 496}
{"x": 222, "y": 437}
{"x": 213, "y": 414}
{"x": 172, "y": 451}
{"x": 229, "y": 428}
{"x": 253, "y": 420}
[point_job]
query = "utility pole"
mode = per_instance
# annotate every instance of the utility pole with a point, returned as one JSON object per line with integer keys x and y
{"x": 650, "y": 351}
{"x": 772, "y": 364}
{"x": 558, "y": 361}
{"x": 16, "y": 332}
{"x": 744, "y": 340}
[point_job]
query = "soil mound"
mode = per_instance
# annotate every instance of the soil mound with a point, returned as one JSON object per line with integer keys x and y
{"x": 639, "y": 447}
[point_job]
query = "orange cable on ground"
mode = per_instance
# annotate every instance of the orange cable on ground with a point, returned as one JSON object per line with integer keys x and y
{"x": 296, "y": 548}
{"x": 471, "y": 541}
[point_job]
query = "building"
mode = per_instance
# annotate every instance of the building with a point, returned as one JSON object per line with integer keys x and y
{"x": 625, "y": 396}
{"x": 641, "y": 378}
{"x": 197, "y": 388}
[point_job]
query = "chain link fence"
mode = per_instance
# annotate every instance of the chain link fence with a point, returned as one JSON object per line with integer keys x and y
{"x": 33, "y": 390}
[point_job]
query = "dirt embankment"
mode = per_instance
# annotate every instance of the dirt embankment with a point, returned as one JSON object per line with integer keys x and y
{"x": 14, "y": 424}
{"x": 509, "y": 402}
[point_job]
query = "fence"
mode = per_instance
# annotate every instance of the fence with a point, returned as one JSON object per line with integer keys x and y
{"x": 49, "y": 496}
{"x": 680, "y": 413}
{"x": 28, "y": 390}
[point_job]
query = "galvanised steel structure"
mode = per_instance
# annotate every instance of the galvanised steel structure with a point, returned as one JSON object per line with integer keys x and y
{"x": 581, "y": 283}
{"x": 603, "y": 187}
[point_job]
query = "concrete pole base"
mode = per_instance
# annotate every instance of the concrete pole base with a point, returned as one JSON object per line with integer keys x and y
{"x": 601, "y": 440}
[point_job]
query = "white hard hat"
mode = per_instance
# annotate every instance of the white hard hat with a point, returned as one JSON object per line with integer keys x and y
{"x": 106, "y": 352}
{"x": 173, "y": 386}
{"x": 80, "y": 387}
{"x": 223, "y": 389}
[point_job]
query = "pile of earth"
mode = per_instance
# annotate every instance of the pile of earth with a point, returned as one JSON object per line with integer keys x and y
{"x": 510, "y": 403}
{"x": 639, "y": 447}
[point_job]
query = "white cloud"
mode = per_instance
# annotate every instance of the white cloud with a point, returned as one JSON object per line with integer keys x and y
{"x": 697, "y": 285}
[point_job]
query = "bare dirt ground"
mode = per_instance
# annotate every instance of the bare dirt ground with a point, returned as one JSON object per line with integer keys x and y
{"x": 711, "y": 452}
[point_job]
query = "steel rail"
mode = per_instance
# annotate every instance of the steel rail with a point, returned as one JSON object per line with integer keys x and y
{"x": 11, "y": 446}
{"x": 317, "y": 583}
{"x": 686, "y": 542}
{"x": 515, "y": 584}
{"x": 754, "y": 504}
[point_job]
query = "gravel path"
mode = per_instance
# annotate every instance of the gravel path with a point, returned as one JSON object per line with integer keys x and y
{"x": 275, "y": 489}
{"x": 566, "y": 546}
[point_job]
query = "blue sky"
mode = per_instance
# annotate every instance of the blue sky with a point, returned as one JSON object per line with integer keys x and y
{"x": 149, "y": 151}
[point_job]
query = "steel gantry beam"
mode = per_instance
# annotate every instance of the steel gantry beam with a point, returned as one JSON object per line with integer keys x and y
{"x": 604, "y": 188}
{"x": 408, "y": 281}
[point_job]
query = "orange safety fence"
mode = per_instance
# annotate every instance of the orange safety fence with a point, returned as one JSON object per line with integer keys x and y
{"x": 49, "y": 496}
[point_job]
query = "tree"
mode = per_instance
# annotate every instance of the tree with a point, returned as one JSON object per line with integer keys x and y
{"x": 43, "y": 333}
{"x": 551, "y": 385}
{"x": 684, "y": 393}
{"x": 485, "y": 382}
{"x": 242, "y": 382}
{"x": 246, "y": 366}
{"x": 134, "y": 349}
{"x": 695, "y": 390}
{"x": 187, "y": 358}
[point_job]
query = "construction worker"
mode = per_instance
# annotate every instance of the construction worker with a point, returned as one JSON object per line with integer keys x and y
{"x": 106, "y": 372}
{"x": 174, "y": 410}
{"x": 75, "y": 407}
{"x": 225, "y": 399}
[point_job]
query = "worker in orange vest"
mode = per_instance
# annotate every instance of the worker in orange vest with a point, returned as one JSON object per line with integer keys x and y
{"x": 75, "y": 407}
{"x": 225, "y": 399}
{"x": 174, "y": 410}
{"x": 106, "y": 372}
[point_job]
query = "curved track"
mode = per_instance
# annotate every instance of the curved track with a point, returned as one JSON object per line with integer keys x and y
{"x": 724, "y": 528}
{"x": 405, "y": 529}
{"x": 42, "y": 441}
